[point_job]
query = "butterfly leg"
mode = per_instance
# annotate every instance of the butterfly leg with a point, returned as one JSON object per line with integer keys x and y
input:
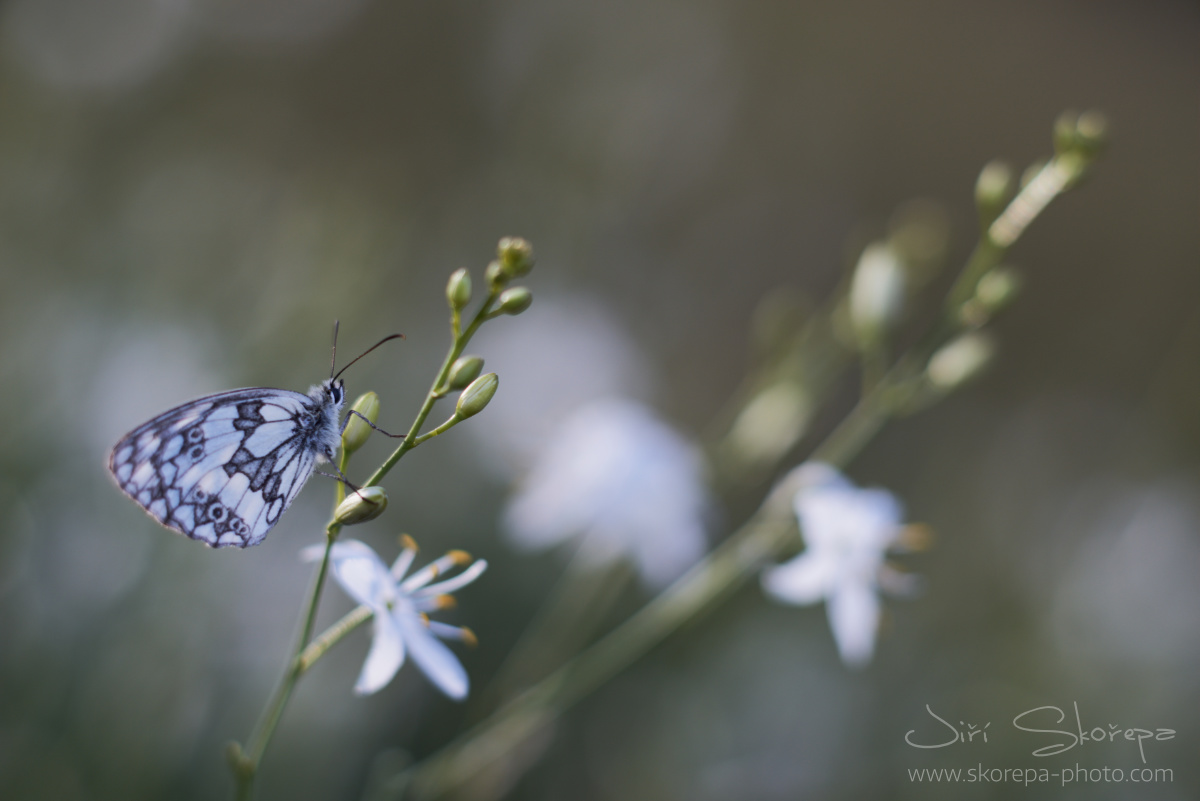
{"x": 340, "y": 477}
{"x": 346, "y": 422}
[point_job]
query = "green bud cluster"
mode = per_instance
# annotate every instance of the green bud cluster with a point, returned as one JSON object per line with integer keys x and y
{"x": 514, "y": 259}
{"x": 516, "y": 256}
{"x": 1084, "y": 134}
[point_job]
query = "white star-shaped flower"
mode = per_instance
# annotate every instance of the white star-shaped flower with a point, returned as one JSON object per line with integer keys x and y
{"x": 401, "y": 626}
{"x": 623, "y": 482}
{"x": 847, "y": 531}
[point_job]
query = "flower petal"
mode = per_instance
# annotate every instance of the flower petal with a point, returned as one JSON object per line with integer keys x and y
{"x": 854, "y": 617}
{"x": 362, "y": 574}
{"x": 451, "y": 584}
{"x": 804, "y": 580}
{"x": 447, "y": 632}
{"x": 436, "y": 660}
{"x": 384, "y": 659}
{"x": 405, "y": 559}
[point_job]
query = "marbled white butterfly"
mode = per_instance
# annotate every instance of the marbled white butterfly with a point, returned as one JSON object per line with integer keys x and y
{"x": 222, "y": 469}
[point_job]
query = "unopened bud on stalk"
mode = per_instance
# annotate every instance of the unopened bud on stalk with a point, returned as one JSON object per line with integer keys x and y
{"x": 514, "y": 301}
{"x": 876, "y": 293}
{"x": 998, "y": 288}
{"x": 458, "y": 289}
{"x": 516, "y": 256}
{"x": 1084, "y": 133}
{"x": 354, "y": 436}
{"x": 993, "y": 191}
{"x": 1064, "y": 132}
{"x": 960, "y": 360}
{"x": 476, "y": 396}
{"x": 464, "y": 370}
{"x": 495, "y": 275}
{"x": 361, "y": 505}
{"x": 1091, "y": 132}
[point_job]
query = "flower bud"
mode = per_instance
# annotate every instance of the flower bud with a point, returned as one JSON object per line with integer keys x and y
{"x": 476, "y": 396}
{"x": 1091, "y": 132}
{"x": 1064, "y": 132}
{"x": 495, "y": 275}
{"x": 993, "y": 191}
{"x": 998, "y": 288}
{"x": 876, "y": 293}
{"x": 355, "y": 434}
{"x": 361, "y": 505}
{"x": 458, "y": 289}
{"x": 514, "y": 301}
{"x": 464, "y": 370}
{"x": 960, "y": 360}
{"x": 516, "y": 256}
{"x": 771, "y": 424}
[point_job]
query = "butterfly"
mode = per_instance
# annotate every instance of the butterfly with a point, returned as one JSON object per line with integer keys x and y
{"x": 222, "y": 469}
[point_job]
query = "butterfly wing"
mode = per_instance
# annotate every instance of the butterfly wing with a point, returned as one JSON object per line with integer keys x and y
{"x": 221, "y": 469}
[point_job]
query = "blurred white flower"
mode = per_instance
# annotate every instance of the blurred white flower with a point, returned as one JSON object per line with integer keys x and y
{"x": 848, "y": 532}
{"x": 400, "y": 623}
{"x": 566, "y": 352}
{"x": 624, "y": 483}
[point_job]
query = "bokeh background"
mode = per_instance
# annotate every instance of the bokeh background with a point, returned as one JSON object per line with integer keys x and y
{"x": 192, "y": 190}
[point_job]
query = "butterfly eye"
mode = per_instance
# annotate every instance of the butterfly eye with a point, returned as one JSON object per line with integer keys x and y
{"x": 216, "y": 512}
{"x": 196, "y": 452}
{"x": 195, "y": 434}
{"x": 199, "y": 495}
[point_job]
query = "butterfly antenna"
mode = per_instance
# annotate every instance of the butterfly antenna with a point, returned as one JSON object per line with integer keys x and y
{"x": 333, "y": 358}
{"x": 368, "y": 350}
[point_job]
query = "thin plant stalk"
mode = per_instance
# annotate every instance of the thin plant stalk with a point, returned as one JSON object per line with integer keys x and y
{"x": 245, "y": 761}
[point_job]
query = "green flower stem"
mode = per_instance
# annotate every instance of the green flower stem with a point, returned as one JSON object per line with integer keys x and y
{"x": 332, "y": 635}
{"x": 412, "y": 440}
{"x": 442, "y": 429}
{"x": 245, "y": 762}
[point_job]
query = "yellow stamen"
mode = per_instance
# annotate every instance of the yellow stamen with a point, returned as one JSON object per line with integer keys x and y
{"x": 459, "y": 557}
{"x": 469, "y": 637}
{"x": 916, "y": 537}
{"x": 445, "y": 602}
{"x": 408, "y": 542}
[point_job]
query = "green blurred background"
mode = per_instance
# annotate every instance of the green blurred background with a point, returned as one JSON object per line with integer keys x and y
{"x": 192, "y": 190}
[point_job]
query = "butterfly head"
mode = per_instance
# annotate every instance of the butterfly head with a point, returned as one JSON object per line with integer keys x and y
{"x": 335, "y": 390}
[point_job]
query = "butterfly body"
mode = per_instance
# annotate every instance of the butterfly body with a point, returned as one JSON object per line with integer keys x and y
{"x": 223, "y": 468}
